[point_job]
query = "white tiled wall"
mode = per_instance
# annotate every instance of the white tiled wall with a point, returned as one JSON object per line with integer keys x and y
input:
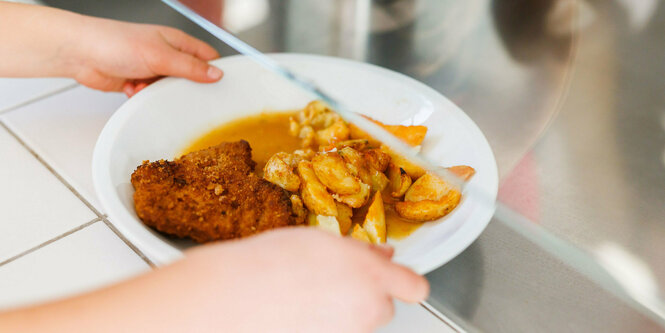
{"x": 52, "y": 244}
{"x": 89, "y": 258}
{"x": 19, "y": 91}
{"x": 63, "y": 130}
{"x": 34, "y": 205}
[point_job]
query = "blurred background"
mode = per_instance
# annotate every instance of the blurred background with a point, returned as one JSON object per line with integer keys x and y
{"x": 571, "y": 96}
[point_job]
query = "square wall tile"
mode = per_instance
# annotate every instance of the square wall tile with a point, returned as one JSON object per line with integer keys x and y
{"x": 35, "y": 206}
{"x": 88, "y": 259}
{"x": 63, "y": 130}
{"x": 14, "y": 92}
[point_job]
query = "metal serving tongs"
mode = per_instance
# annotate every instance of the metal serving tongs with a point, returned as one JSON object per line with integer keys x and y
{"x": 573, "y": 256}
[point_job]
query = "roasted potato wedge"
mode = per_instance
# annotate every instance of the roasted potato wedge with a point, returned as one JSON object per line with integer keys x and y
{"x": 344, "y": 214}
{"x": 375, "y": 220}
{"x": 412, "y": 135}
{"x": 307, "y": 136}
{"x": 338, "y": 131}
{"x": 313, "y": 193}
{"x": 358, "y": 144}
{"x": 399, "y": 181}
{"x": 379, "y": 180}
{"x": 465, "y": 172}
{"x": 280, "y": 173}
{"x": 324, "y": 119}
{"x": 413, "y": 170}
{"x": 312, "y": 110}
{"x": 360, "y": 234}
{"x": 427, "y": 187}
{"x": 294, "y": 126}
{"x": 319, "y": 116}
{"x": 327, "y": 223}
{"x": 298, "y": 207}
{"x": 428, "y": 210}
{"x": 331, "y": 170}
{"x": 356, "y": 133}
{"x": 357, "y": 199}
{"x": 352, "y": 156}
{"x": 302, "y": 155}
{"x": 376, "y": 159}
{"x": 293, "y": 159}
{"x": 355, "y": 164}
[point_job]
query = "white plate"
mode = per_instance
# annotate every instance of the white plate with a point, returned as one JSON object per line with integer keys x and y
{"x": 164, "y": 118}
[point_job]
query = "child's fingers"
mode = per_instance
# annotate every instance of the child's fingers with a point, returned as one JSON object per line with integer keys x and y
{"x": 383, "y": 250}
{"x": 404, "y": 284}
{"x": 132, "y": 87}
{"x": 129, "y": 88}
{"x": 188, "y": 44}
{"x": 186, "y": 66}
{"x": 139, "y": 87}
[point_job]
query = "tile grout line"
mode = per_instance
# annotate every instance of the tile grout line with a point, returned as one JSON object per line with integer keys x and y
{"x": 127, "y": 242}
{"x": 56, "y": 238}
{"x": 39, "y": 98}
{"x": 79, "y": 196}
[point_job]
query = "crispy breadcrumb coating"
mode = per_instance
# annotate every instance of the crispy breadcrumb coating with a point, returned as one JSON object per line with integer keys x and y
{"x": 209, "y": 195}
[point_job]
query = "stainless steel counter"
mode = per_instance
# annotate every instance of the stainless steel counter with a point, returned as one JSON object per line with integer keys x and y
{"x": 570, "y": 95}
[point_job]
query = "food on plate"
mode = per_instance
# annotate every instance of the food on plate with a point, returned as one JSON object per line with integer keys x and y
{"x": 465, "y": 172}
{"x": 360, "y": 234}
{"x": 309, "y": 167}
{"x": 375, "y": 220}
{"x": 355, "y": 200}
{"x": 279, "y": 170}
{"x": 332, "y": 172}
{"x": 376, "y": 159}
{"x": 316, "y": 126}
{"x": 412, "y": 135}
{"x": 413, "y": 170}
{"x": 314, "y": 194}
{"x": 210, "y": 194}
{"x": 327, "y": 223}
{"x": 348, "y": 180}
{"x": 298, "y": 207}
{"x": 427, "y": 187}
{"x": 427, "y": 210}
{"x": 400, "y": 181}
{"x": 344, "y": 217}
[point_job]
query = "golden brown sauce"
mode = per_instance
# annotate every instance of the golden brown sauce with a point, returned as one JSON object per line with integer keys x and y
{"x": 397, "y": 227}
{"x": 267, "y": 134}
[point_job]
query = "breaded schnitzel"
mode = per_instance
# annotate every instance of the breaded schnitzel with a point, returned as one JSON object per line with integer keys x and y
{"x": 208, "y": 195}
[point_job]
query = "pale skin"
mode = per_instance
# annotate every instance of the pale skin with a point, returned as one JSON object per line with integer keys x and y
{"x": 99, "y": 53}
{"x": 288, "y": 280}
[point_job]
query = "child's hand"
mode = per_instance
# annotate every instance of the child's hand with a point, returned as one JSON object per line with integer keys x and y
{"x": 287, "y": 280}
{"x": 118, "y": 56}
{"x": 99, "y": 53}
{"x": 297, "y": 280}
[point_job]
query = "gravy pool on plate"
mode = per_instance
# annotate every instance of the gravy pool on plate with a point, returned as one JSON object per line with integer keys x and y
{"x": 267, "y": 134}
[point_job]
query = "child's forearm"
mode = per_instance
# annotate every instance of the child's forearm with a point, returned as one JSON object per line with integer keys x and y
{"x": 132, "y": 306}
{"x": 38, "y": 41}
